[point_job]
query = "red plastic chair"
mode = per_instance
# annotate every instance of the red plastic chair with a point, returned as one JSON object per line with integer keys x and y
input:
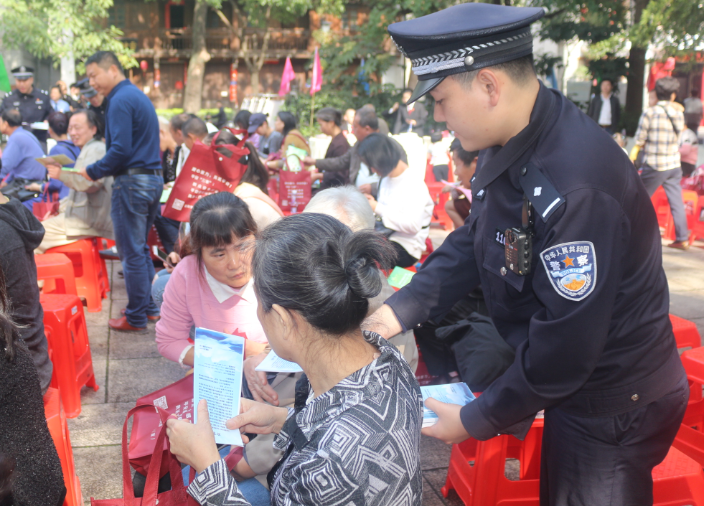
{"x": 690, "y": 199}
{"x": 686, "y": 333}
{"x": 693, "y": 362}
{"x": 90, "y": 271}
{"x": 57, "y": 272}
{"x": 662, "y": 206}
{"x": 678, "y": 481}
{"x": 477, "y": 470}
{"x": 58, "y": 428}
{"x": 68, "y": 341}
{"x": 439, "y": 214}
{"x": 697, "y": 229}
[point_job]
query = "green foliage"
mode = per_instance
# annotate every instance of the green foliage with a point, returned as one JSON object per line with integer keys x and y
{"x": 371, "y": 42}
{"x": 609, "y": 67}
{"x": 52, "y": 29}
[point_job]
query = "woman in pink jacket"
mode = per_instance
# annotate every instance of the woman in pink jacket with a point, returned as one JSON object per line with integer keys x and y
{"x": 212, "y": 287}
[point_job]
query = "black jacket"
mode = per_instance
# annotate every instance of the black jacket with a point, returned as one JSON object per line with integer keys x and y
{"x": 590, "y": 322}
{"x": 595, "y": 109}
{"x": 24, "y": 434}
{"x": 20, "y": 233}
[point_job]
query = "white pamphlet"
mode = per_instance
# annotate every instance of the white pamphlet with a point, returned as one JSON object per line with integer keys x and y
{"x": 274, "y": 363}
{"x": 452, "y": 393}
{"x": 217, "y": 378}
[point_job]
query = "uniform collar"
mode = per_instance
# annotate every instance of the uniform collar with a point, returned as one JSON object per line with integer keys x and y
{"x": 504, "y": 157}
{"x": 30, "y": 94}
{"x": 223, "y": 292}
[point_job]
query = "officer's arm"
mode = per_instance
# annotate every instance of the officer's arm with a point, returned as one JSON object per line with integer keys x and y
{"x": 449, "y": 274}
{"x": 120, "y": 125}
{"x": 566, "y": 336}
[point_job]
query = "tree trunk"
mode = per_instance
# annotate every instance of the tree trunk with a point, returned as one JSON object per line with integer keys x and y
{"x": 254, "y": 57}
{"x": 636, "y": 68}
{"x": 199, "y": 57}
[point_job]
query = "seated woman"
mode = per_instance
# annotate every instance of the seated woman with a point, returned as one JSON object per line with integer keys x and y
{"x": 212, "y": 287}
{"x": 252, "y": 188}
{"x": 465, "y": 163}
{"x": 404, "y": 206}
{"x": 286, "y": 124}
{"x": 356, "y": 423}
{"x": 58, "y": 127}
{"x": 27, "y": 452}
{"x": 86, "y": 210}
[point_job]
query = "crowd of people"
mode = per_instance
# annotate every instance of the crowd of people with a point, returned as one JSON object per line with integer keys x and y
{"x": 313, "y": 288}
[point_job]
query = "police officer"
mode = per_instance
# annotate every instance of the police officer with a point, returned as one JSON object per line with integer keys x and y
{"x": 565, "y": 243}
{"x": 32, "y": 103}
{"x": 96, "y": 101}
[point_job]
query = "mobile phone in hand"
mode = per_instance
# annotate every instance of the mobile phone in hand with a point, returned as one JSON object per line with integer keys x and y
{"x": 161, "y": 254}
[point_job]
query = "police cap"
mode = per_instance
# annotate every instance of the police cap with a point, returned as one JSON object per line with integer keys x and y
{"x": 463, "y": 38}
{"x": 22, "y": 72}
{"x": 86, "y": 89}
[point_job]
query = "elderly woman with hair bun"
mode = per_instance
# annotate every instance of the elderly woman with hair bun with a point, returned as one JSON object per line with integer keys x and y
{"x": 358, "y": 412}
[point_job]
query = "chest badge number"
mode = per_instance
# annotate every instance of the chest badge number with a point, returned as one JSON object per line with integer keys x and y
{"x": 571, "y": 268}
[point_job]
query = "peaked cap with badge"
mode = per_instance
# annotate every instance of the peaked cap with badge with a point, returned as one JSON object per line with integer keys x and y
{"x": 22, "y": 72}
{"x": 463, "y": 38}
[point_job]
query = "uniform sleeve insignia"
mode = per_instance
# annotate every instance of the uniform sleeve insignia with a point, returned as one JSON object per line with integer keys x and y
{"x": 571, "y": 268}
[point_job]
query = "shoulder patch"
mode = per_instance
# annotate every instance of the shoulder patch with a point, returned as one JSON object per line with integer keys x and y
{"x": 571, "y": 268}
{"x": 540, "y": 192}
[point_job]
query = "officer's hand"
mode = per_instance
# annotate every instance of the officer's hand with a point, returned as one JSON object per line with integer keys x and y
{"x": 34, "y": 187}
{"x": 54, "y": 170}
{"x": 82, "y": 172}
{"x": 257, "y": 381}
{"x": 449, "y": 428}
{"x": 308, "y": 161}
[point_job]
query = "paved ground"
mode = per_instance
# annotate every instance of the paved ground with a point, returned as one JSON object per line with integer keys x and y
{"x": 128, "y": 366}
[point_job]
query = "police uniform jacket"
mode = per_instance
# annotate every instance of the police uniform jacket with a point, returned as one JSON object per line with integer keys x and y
{"x": 590, "y": 322}
{"x": 34, "y": 106}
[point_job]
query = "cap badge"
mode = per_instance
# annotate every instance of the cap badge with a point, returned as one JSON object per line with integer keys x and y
{"x": 23, "y": 69}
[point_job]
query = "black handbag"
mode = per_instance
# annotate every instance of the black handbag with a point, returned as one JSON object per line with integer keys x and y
{"x": 381, "y": 229}
{"x": 16, "y": 188}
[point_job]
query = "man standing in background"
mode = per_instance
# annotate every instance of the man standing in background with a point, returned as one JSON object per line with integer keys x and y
{"x": 132, "y": 158}
{"x": 605, "y": 108}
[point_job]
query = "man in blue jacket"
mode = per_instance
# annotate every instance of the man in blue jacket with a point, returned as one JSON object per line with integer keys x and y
{"x": 132, "y": 158}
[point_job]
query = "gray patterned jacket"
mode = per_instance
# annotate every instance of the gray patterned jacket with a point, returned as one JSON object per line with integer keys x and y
{"x": 357, "y": 444}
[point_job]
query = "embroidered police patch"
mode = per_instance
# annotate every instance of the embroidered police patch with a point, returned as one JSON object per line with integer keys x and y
{"x": 571, "y": 268}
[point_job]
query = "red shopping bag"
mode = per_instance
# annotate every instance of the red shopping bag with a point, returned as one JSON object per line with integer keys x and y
{"x": 205, "y": 172}
{"x": 175, "y": 399}
{"x": 294, "y": 191}
{"x": 177, "y": 496}
{"x": 46, "y": 208}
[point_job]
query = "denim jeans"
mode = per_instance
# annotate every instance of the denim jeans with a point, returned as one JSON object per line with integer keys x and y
{"x": 158, "y": 287}
{"x": 135, "y": 201}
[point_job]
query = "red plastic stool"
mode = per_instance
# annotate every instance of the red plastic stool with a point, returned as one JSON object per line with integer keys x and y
{"x": 439, "y": 214}
{"x": 88, "y": 267}
{"x": 58, "y": 428}
{"x": 686, "y": 333}
{"x": 57, "y": 272}
{"x": 477, "y": 470}
{"x": 693, "y": 362}
{"x": 678, "y": 481}
{"x": 68, "y": 341}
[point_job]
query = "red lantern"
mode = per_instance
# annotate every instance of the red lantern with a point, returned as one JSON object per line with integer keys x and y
{"x": 143, "y": 65}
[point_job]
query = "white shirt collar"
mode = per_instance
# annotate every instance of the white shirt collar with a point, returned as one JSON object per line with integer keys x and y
{"x": 223, "y": 292}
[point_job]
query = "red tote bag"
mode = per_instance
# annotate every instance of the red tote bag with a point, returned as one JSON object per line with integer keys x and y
{"x": 46, "y": 208}
{"x": 175, "y": 399}
{"x": 177, "y": 496}
{"x": 205, "y": 172}
{"x": 294, "y": 191}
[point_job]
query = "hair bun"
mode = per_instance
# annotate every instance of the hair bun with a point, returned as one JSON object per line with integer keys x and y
{"x": 363, "y": 277}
